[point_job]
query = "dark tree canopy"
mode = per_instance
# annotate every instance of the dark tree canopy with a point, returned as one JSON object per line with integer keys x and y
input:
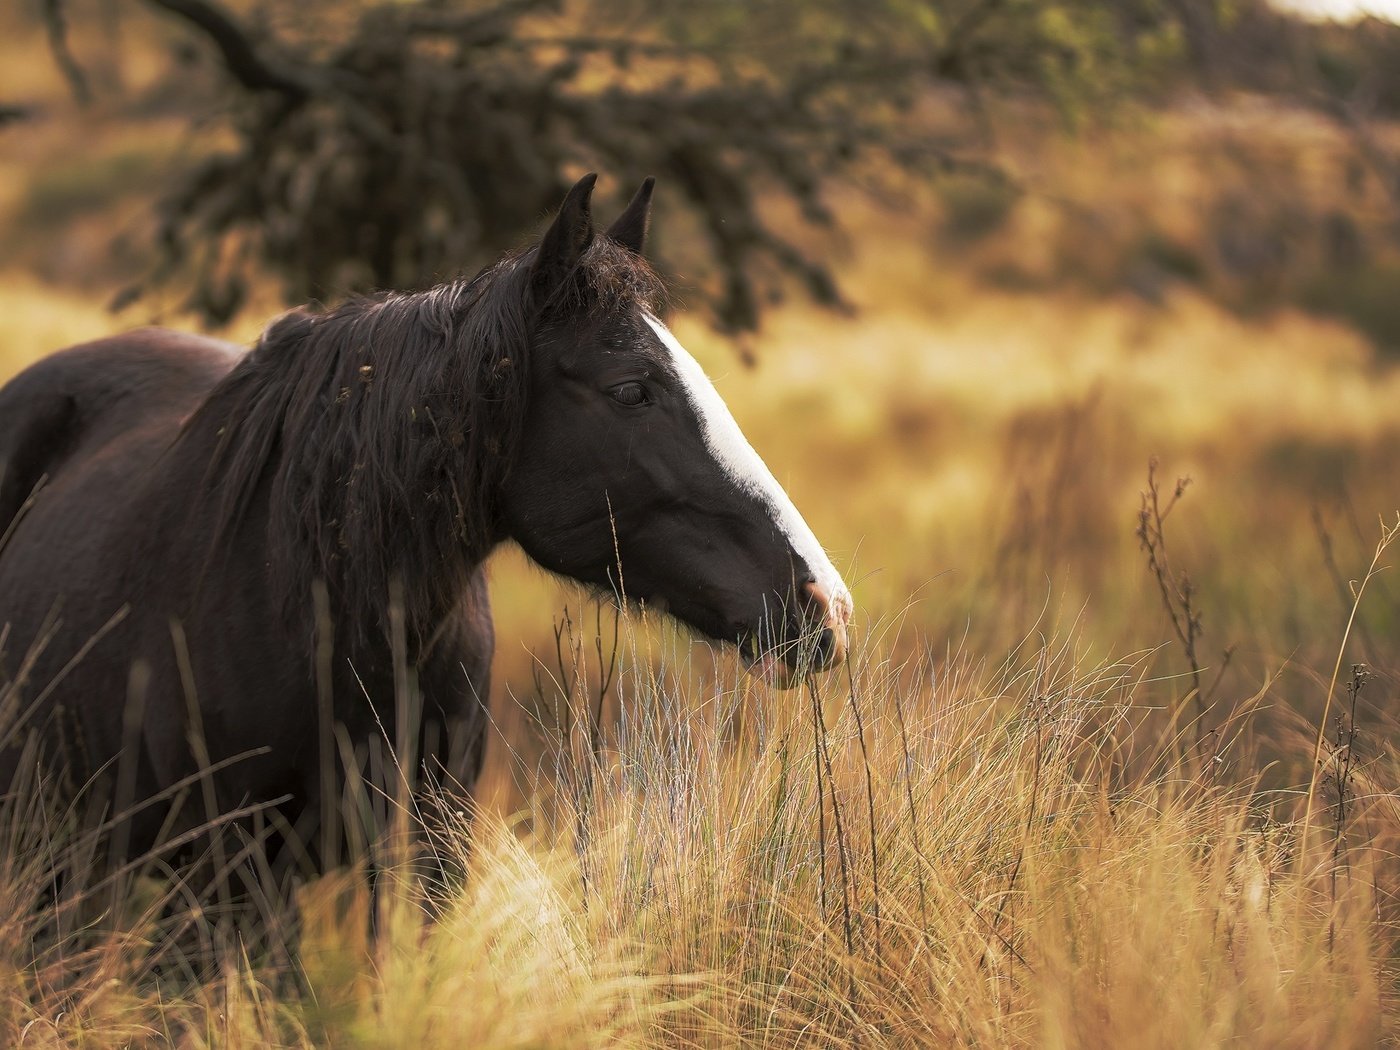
{"x": 394, "y": 144}
{"x": 410, "y": 141}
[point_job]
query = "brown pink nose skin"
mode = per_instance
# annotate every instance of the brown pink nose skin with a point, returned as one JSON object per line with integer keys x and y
{"x": 834, "y": 615}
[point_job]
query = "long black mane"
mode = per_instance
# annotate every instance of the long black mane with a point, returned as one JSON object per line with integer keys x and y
{"x": 378, "y": 431}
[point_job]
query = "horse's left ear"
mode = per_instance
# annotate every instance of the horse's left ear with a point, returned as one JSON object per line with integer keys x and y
{"x": 630, "y": 229}
{"x": 567, "y": 238}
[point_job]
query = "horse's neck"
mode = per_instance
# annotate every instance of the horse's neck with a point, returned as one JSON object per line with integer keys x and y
{"x": 427, "y": 602}
{"x": 342, "y": 495}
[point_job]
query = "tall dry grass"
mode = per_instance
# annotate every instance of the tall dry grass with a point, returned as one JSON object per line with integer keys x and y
{"x": 943, "y": 851}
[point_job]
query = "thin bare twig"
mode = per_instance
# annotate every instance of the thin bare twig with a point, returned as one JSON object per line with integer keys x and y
{"x": 1176, "y": 589}
{"x": 824, "y": 758}
{"x": 1341, "y": 762}
{"x": 870, "y": 812}
{"x": 1388, "y": 535}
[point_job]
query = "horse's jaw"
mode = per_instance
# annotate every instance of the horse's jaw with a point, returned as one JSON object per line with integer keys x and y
{"x": 772, "y": 669}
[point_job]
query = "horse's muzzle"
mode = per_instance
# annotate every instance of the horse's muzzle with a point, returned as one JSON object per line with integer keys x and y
{"x": 820, "y": 643}
{"x": 833, "y": 612}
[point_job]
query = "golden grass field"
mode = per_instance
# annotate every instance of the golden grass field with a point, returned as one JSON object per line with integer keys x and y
{"x": 1016, "y": 822}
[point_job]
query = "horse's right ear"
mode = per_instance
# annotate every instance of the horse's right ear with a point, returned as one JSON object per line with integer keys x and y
{"x": 567, "y": 238}
{"x": 630, "y": 229}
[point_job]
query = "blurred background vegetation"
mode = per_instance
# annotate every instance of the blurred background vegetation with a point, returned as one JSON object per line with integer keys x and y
{"x": 962, "y": 268}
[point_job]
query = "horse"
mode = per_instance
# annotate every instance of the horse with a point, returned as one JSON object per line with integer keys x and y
{"x": 217, "y": 563}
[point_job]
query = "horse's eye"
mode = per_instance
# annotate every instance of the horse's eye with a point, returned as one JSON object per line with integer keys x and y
{"x": 630, "y": 394}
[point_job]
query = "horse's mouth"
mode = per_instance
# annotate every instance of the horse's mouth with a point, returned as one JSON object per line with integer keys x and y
{"x": 786, "y": 664}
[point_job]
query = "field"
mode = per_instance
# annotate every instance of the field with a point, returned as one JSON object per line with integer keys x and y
{"x": 1115, "y": 760}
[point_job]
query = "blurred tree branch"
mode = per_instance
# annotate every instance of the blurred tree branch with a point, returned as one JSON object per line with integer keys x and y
{"x": 244, "y": 62}
{"x": 13, "y": 113}
{"x": 56, "y": 25}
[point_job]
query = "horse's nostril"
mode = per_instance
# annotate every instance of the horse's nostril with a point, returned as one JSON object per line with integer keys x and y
{"x": 825, "y": 646}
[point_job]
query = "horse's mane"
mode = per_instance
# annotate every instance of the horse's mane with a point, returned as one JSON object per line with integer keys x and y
{"x": 377, "y": 432}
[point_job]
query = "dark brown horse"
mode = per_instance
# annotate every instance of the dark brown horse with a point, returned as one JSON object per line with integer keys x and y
{"x": 210, "y": 557}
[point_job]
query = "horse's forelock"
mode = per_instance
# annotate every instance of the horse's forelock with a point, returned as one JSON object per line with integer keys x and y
{"x": 609, "y": 278}
{"x": 620, "y": 278}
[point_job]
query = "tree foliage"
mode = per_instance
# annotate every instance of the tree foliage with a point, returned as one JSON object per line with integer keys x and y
{"x": 393, "y": 143}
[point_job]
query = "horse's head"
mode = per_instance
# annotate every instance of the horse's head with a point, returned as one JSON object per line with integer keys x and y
{"x": 632, "y": 475}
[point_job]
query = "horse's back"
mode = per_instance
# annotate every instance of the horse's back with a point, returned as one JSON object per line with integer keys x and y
{"x": 80, "y": 432}
{"x": 82, "y": 398}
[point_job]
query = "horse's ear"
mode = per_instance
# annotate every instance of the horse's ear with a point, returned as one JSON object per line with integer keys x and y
{"x": 567, "y": 238}
{"x": 630, "y": 229}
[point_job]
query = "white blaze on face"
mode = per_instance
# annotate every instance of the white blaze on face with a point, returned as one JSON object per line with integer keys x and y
{"x": 737, "y": 457}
